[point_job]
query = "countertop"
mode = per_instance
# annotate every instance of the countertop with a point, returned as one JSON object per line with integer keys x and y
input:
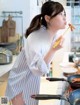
{"x": 57, "y": 88}
{"x": 7, "y": 67}
{"x": 54, "y": 88}
{"x": 63, "y": 86}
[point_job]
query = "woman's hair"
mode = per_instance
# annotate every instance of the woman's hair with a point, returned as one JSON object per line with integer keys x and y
{"x": 49, "y": 8}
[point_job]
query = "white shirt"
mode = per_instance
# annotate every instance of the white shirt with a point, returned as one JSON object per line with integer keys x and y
{"x": 29, "y": 66}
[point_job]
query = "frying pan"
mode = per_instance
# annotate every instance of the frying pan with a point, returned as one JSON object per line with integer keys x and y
{"x": 74, "y": 85}
{"x": 73, "y": 98}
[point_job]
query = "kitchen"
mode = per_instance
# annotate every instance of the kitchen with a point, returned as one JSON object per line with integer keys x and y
{"x": 57, "y": 69}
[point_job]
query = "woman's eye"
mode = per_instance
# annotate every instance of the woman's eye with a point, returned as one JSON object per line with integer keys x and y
{"x": 63, "y": 14}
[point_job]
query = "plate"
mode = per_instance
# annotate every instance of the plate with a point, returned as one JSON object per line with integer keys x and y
{"x": 4, "y": 44}
{"x": 67, "y": 64}
{"x": 69, "y": 70}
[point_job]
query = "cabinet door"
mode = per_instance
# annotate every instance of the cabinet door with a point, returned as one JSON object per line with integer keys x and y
{"x": 75, "y": 38}
{"x": 3, "y": 83}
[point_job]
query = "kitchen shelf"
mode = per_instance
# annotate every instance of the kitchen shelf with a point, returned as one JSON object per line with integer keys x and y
{"x": 13, "y": 40}
{"x": 75, "y": 37}
{"x": 75, "y": 20}
{"x": 76, "y": 42}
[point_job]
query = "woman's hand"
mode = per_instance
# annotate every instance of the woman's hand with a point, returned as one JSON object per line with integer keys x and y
{"x": 48, "y": 57}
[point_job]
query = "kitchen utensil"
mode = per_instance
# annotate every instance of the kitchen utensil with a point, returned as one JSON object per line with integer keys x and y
{"x": 73, "y": 98}
{"x": 66, "y": 64}
{"x": 68, "y": 74}
{"x": 76, "y": 60}
{"x": 5, "y": 56}
{"x": 69, "y": 71}
{"x": 14, "y": 47}
{"x": 71, "y": 27}
{"x": 11, "y": 46}
{"x": 74, "y": 85}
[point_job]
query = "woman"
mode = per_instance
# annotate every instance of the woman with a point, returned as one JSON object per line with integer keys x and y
{"x": 34, "y": 59}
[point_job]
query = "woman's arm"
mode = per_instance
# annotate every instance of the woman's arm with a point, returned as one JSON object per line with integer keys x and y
{"x": 52, "y": 51}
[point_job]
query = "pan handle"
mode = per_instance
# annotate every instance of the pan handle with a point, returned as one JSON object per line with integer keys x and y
{"x": 56, "y": 79}
{"x": 46, "y": 97}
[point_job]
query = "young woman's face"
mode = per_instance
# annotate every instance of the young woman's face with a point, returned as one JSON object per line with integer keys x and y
{"x": 58, "y": 22}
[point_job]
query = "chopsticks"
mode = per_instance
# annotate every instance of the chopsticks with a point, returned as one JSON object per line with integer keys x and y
{"x": 71, "y": 27}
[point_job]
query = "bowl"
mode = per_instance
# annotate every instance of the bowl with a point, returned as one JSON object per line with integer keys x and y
{"x": 76, "y": 60}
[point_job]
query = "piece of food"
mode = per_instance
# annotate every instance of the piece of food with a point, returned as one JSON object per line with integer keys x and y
{"x": 71, "y": 27}
{"x": 57, "y": 42}
{"x": 76, "y": 80}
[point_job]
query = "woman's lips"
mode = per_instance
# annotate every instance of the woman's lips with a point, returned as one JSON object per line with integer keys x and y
{"x": 65, "y": 23}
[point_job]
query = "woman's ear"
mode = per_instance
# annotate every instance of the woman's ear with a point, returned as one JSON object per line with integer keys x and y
{"x": 47, "y": 18}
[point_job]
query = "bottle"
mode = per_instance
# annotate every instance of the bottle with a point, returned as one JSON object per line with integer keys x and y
{"x": 50, "y": 72}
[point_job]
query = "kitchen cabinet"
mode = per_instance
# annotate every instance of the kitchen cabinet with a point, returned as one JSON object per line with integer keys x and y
{"x": 72, "y": 2}
{"x": 75, "y": 20}
{"x": 75, "y": 39}
{"x": 12, "y": 30}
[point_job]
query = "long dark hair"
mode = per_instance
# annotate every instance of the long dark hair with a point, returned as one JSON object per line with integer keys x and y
{"x": 49, "y": 8}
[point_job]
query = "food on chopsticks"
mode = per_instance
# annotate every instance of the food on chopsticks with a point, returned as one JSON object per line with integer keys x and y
{"x": 71, "y": 27}
{"x": 57, "y": 42}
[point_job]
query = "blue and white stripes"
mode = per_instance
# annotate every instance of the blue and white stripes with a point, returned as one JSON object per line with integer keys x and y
{"x": 29, "y": 66}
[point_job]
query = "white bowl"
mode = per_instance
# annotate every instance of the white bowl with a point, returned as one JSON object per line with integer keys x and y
{"x": 67, "y": 64}
{"x": 69, "y": 70}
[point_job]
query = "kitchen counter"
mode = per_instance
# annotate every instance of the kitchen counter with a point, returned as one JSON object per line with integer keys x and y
{"x": 6, "y": 68}
{"x": 58, "y": 87}
{"x": 63, "y": 86}
{"x": 47, "y": 87}
{"x": 4, "y": 73}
